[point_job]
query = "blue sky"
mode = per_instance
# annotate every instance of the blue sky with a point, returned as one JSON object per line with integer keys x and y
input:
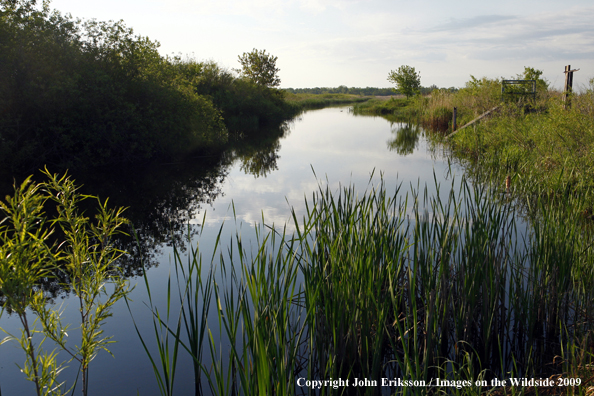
{"x": 357, "y": 42}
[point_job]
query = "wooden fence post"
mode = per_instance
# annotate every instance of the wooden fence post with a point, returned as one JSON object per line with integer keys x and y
{"x": 568, "y": 86}
{"x": 454, "y": 119}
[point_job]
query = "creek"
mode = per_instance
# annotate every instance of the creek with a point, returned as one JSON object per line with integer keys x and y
{"x": 259, "y": 181}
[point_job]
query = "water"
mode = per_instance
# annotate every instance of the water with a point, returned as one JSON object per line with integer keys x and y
{"x": 258, "y": 180}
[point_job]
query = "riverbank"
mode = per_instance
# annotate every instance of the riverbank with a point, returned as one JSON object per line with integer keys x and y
{"x": 534, "y": 145}
{"x": 383, "y": 106}
{"x": 308, "y": 101}
{"x": 537, "y": 147}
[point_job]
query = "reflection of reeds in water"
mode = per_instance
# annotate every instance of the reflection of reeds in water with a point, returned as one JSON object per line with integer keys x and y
{"x": 405, "y": 286}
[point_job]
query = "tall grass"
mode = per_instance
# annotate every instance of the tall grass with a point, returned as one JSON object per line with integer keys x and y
{"x": 435, "y": 111}
{"x": 405, "y": 285}
{"x": 383, "y": 107}
{"x": 548, "y": 152}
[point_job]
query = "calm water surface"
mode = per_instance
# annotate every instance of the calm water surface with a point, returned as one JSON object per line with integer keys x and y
{"x": 260, "y": 180}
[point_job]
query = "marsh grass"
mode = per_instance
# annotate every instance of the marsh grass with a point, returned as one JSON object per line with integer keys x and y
{"x": 405, "y": 285}
{"x": 382, "y": 107}
{"x": 317, "y": 101}
{"x": 435, "y": 111}
{"x": 548, "y": 152}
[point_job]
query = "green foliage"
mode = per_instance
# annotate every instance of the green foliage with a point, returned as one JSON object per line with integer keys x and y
{"x": 84, "y": 252}
{"x": 25, "y": 259}
{"x": 91, "y": 93}
{"x": 260, "y": 67}
{"x": 318, "y": 101}
{"x": 245, "y": 106}
{"x": 408, "y": 284}
{"x": 543, "y": 147}
{"x": 407, "y": 80}
{"x": 531, "y": 73}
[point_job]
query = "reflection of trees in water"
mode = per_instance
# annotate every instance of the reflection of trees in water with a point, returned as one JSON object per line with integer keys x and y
{"x": 406, "y": 139}
{"x": 161, "y": 200}
{"x": 407, "y": 133}
{"x": 165, "y": 198}
{"x": 259, "y": 155}
{"x": 262, "y": 161}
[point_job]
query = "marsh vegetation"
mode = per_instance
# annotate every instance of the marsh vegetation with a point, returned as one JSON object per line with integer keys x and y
{"x": 492, "y": 279}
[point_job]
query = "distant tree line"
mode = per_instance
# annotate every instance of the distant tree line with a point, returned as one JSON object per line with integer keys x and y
{"x": 87, "y": 93}
{"x": 367, "y": 91}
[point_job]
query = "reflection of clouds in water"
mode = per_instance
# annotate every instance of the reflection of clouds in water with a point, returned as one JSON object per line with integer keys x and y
{"x": 269, "y": 200}
{"x": 342, "y": 150}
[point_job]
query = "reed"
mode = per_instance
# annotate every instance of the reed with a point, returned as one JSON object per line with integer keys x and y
{"x": 406, "y": 285}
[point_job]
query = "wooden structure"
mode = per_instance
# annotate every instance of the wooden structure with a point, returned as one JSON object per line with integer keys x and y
{"x": 568, "y": 85}
{"x": 508, "y": 88}
{"x": 477, "y": 119}
{"x": 454, "y": 118}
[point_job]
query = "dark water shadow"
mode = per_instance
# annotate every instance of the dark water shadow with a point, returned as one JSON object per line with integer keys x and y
{"x": 161, "y": 198}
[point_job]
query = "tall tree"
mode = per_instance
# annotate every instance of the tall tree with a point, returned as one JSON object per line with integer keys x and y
{"x": 407, "y": 80}
{"x": 260, "y": 67}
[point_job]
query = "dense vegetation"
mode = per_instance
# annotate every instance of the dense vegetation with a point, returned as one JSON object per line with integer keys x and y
{"x": 457, "y": 295}
{"x": 542, "y": 139}
{"x": 405, "y": 286}
{"x": 88, "y": 93}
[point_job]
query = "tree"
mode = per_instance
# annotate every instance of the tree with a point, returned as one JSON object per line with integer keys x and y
{"x": 531, "y": 73}
{"x": 260, "y": 67}
{"x": 407, "y": 80}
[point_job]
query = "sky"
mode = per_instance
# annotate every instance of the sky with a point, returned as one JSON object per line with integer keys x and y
{"x": 327, "y": 43}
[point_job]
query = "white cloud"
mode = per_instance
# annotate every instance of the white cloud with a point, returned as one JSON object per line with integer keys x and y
{"x": 356, "y": 43}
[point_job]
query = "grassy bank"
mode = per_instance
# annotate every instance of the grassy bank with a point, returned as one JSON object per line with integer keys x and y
{"x": 317, "y": 101}
{"x": 383, "y": 106}
{"x": 537, "y": 145}
{"x": 538, "y": 142}
{"x": 553, "y": 147}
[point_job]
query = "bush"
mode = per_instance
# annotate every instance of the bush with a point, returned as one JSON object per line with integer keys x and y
{"x": 88, "y": 94}
{"x": 245, "y": 105}
{"x": 83, "y": 253}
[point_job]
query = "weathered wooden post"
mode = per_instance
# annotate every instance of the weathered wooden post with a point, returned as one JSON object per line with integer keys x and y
{"x": 454, "y": 119}
{"x": 568, "y": 86}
